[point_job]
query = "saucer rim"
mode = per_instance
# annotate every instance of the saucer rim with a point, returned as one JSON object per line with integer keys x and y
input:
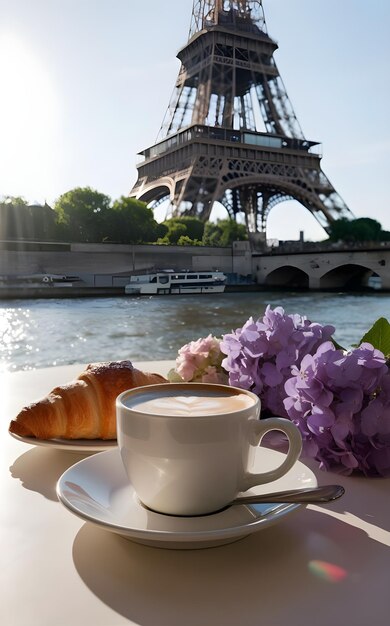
{"x": 277, "y": 512}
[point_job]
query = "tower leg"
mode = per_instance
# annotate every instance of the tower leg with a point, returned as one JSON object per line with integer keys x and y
{"x": 212, "y": 145}
{"x": 255, "y": 204}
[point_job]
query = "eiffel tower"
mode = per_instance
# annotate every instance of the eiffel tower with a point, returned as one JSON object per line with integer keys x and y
{"x": 230, "y": 133}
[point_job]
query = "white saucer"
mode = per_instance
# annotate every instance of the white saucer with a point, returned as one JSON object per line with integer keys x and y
{"x": 97, "y": 490}
{"x": 71, "y": 445}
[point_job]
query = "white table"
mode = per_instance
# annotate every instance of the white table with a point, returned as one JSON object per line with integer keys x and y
{"x": 57, "y": 570}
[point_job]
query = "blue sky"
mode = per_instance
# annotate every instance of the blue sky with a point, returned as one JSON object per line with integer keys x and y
{"x": 85, "y": 85}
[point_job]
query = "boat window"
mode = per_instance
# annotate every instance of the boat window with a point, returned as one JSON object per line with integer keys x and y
{"x": 192, "y": 276}
{"x": 163, "y": 279}
{"x": 154, "y": 279}
{"x": 178, "y": 277}
{"x": 205, "y": 276}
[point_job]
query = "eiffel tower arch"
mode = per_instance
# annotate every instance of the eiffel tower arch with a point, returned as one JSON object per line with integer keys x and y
{"x": 230, "y": 133}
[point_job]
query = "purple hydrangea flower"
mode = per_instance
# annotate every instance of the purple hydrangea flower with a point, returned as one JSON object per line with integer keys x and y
{"x": 259, "y": 356}
{"x": 340, "y": 401}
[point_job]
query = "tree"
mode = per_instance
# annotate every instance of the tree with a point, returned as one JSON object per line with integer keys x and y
{"x": 224, "y": 232}
{"x": 43, "y": 221}
{"x": 363, "y": 229}
{"x": 366, "y": 229}
{"x": 14, "y": 201}
{"x": 131, "y": 221}
{"x": 12, "y": 217}
{"x": 184, "y": 240}
{"x": 186, "y": 226}
{"x": 18, "y": 220}
{"x": 194, "y": 227}
{"x": 81, "y": 214}
{"x": 175, "y": 230}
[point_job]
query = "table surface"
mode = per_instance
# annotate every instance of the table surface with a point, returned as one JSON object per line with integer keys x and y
{"x": 323, "y": 565}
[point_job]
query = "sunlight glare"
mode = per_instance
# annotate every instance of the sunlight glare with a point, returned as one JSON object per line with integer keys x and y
{"x": 29, "y": 115}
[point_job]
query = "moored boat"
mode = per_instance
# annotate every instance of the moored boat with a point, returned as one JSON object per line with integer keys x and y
{"x": 176, "y": 283}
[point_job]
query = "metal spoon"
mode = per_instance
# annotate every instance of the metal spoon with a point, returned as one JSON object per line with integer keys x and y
{"x": 327, "y": 493}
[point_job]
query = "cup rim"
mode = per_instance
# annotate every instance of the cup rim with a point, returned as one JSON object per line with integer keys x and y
{"x": 138, "y": 390}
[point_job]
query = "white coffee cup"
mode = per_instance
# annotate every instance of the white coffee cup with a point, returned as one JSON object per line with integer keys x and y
{"x": 188, "y": 448}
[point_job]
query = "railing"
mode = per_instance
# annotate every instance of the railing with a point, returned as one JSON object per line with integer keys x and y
{"x": 297, "y": 247}
{"x": 215, "y": 133}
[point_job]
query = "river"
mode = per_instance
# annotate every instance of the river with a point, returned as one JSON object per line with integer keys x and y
{"x": 44, "y": 333}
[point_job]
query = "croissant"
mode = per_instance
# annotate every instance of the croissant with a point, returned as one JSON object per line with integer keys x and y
{"x": 84, "y": 408}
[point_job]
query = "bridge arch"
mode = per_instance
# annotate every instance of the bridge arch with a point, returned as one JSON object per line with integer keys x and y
{"x": 350, "y": 276}
{"x": 287, "y": 275}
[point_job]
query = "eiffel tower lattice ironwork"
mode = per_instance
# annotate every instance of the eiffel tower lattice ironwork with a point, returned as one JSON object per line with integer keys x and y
{"x": 230, "y": 133}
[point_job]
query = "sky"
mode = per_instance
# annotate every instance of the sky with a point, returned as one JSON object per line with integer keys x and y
{"x": 85, "y": 85}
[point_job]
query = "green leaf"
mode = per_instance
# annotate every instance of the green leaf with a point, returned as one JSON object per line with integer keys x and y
{"x": 379, "y": 336}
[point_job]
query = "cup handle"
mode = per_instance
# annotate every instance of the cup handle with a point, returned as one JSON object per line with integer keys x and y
{"x": 259, "y": 429}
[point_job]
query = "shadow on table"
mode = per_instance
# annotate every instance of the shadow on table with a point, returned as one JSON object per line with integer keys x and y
{"x": 39, "y": 469}
{"x": 269, "y": 577}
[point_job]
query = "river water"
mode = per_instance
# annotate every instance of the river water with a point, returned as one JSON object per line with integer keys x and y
{"x": 44, "y": 333}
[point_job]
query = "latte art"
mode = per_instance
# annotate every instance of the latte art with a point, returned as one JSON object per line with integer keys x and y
{"x": 189, "y": 404}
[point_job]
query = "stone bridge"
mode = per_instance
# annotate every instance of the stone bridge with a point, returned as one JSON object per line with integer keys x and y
{"x": 333, "y": 269}
{"x": 316, "y": 269}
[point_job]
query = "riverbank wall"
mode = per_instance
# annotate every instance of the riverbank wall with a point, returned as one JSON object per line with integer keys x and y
{"x": 105, "y": 269}
{"x": 25, "y": 258}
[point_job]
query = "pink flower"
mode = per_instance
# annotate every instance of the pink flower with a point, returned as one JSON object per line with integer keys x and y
{"x": 200, "y": 361}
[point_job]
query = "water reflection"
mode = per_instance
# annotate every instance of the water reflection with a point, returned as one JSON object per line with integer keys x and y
{"x": 43, "y": 333}
{"x": 16, "y": 336}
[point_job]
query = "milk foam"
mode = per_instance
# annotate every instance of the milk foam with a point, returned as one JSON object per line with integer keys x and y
{"x": 187, "y": 403}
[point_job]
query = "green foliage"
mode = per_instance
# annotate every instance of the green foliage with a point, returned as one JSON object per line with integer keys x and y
{"x": 132, "y": 222}
{"x": 14, "y": 201}
{"x": 194, "y": 226}
{"x": 379, "y": 336}
{"x": 161, "y": 230}
{"x": 184, "y": 240}
{"x": 190, "y": 227}
{"x": 175, "y": 230}
{"x": 224, "y": 232}
{"x": 363, "y": 229}
{"x": 88, "y": 216}
{"x": 81, "y": 214}
{"x": 18, "y": 220}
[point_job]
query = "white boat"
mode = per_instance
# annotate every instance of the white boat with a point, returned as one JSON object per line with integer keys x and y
{"x": 172, "y": 282}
